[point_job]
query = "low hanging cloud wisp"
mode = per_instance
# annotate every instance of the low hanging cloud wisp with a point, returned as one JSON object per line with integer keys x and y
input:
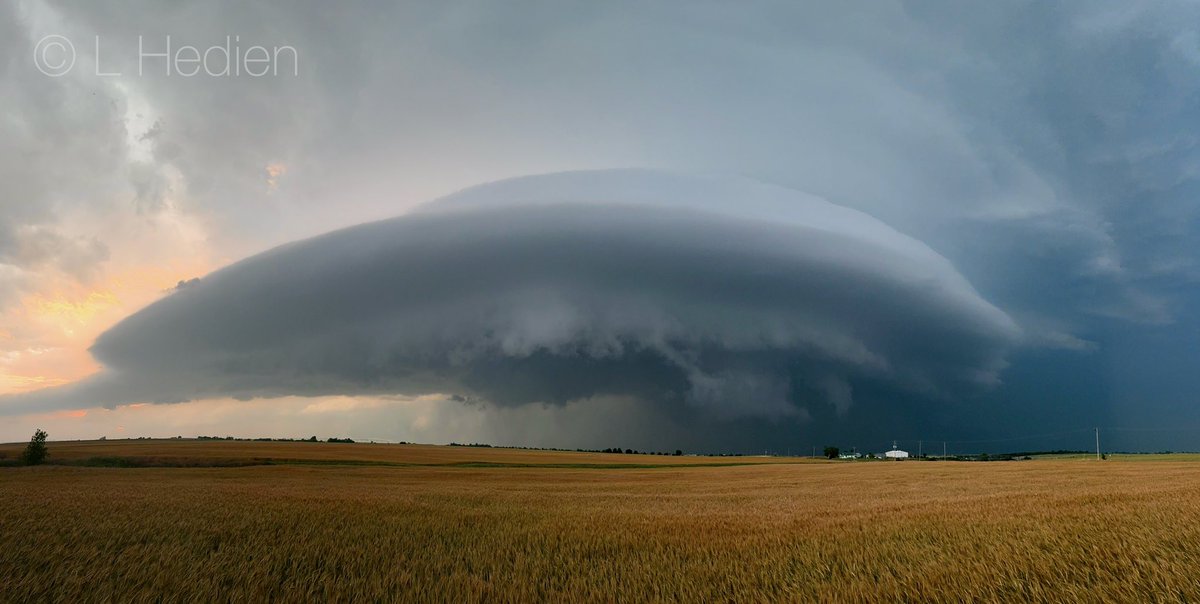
{"x": 724, "y": 295}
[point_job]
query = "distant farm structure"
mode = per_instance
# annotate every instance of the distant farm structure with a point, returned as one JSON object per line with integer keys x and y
{"x": 895, "y": 453}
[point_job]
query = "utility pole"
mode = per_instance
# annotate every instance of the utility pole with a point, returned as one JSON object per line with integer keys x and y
{"x": 814, "y": 451}
{"x": 943, "y": 450}
{"x": 1097, "y": 444}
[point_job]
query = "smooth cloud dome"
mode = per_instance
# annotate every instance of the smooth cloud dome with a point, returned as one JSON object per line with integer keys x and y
{"x": 722, "y": 295}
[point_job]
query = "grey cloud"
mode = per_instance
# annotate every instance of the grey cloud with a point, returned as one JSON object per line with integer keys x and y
{"x": 61, "y": 148}
{"x": 717, "y": 293}
{"x": 918, "y": 113}
{"x": 182, "y": 285}
{"x": 38, "y": 247}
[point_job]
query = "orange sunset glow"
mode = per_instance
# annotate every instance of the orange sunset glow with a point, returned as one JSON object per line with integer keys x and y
{"x": 44, "y": 339}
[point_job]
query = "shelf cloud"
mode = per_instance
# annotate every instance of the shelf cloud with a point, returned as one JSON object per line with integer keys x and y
{"x": 717, "y": 295}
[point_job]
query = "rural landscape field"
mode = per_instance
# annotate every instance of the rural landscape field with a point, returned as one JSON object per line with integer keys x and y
{"x": 880, "y": 301}
{"x": 370, "y": 522}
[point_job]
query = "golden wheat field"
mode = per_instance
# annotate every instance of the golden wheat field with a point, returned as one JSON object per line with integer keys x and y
{"x": 438, "y": 530}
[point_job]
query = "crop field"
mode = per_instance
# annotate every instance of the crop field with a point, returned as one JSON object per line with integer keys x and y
{"x": 439, "y": 524}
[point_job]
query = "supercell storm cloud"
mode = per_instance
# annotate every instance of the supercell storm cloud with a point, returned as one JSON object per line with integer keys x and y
{"x": 734, "y": 298}
{"x": 1006, "y": 246}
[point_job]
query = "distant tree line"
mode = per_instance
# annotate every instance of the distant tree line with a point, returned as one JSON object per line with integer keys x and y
{"x": 1054, "y": 452}
{"x": 311, "y": 439}
{"x": 634, "y": 452}
{"x": 610, "y": 450}
{"x": 479, "y": 445}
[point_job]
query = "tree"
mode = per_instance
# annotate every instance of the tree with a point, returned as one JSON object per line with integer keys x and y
{"x": 35, "y": 451}
{"x": 678, "y": 452}
{"x": 832, "y": 452}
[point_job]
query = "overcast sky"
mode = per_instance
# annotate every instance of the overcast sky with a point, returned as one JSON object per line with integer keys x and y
{"x": 699, "y": 225}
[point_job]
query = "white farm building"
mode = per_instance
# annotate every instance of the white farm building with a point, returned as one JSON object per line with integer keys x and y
{"x": 896, "y": 454}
